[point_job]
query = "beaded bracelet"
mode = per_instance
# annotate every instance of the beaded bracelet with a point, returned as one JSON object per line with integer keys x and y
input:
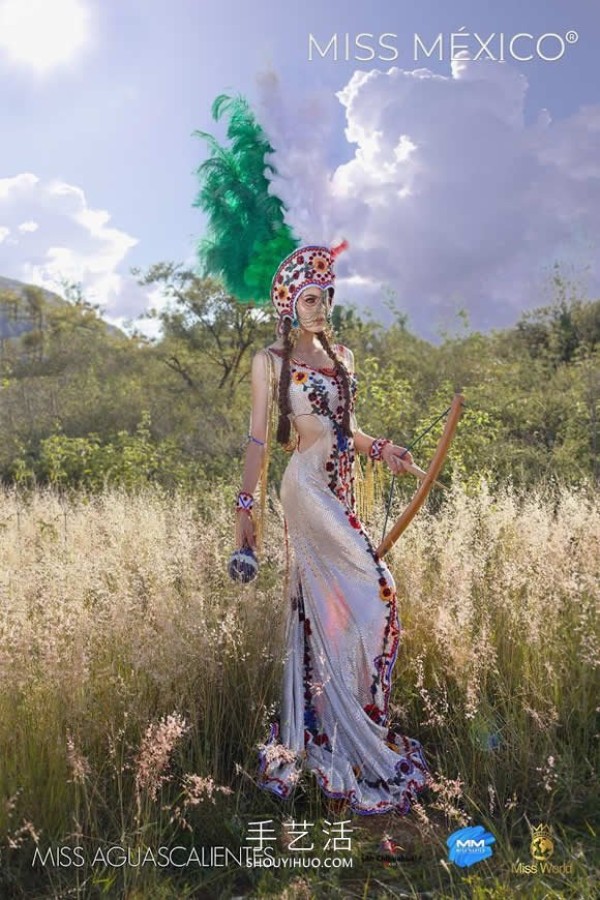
{"x": 244, "y": 501}
{"x": 255, "y": 440}
{"x": 376, "y": 448}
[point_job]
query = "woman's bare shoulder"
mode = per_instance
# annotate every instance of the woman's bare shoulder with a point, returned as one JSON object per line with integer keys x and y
{"x": 264, "y": 351}
{"x": 346, "y": 354}
{"x": 275, "y": 351}
{"x": 262, "y": 356}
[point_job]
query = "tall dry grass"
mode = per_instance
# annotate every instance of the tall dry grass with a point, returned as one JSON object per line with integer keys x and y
{"x": 137, "y": 679}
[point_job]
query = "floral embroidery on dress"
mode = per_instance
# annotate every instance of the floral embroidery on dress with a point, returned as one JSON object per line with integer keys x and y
{"x": 326, "y": 714}
{"x": 340, "y": 465}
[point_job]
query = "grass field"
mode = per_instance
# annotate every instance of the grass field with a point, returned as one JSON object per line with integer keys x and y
{"x": 137, "y": 681}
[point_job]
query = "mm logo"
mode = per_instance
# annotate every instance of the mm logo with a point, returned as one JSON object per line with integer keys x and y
{"x": 470, "y": 845}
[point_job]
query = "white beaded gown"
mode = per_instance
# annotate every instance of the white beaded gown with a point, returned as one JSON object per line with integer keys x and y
{"x": 342, "y": 629}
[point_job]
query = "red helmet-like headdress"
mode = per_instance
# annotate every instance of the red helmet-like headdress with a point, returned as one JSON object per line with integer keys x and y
{"x": 310, "y": 266}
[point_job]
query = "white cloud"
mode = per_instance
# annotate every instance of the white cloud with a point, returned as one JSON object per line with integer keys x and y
{"x": 449, "y": 198}
{"x": 43, "y": 34}
{"x": 302, "y": 132}
{"x": 27, "y": 226}
{"x": 70, "y": 241}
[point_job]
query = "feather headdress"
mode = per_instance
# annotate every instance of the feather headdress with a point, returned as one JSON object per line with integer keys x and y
{"x": 247, "y": 235}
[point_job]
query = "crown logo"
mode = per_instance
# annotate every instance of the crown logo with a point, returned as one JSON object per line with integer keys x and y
{"x": 542, "y": 845}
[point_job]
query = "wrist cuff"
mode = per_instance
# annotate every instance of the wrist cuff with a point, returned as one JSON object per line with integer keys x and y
{"x": 376, "y": 448}
{"x": 244, "y": 501}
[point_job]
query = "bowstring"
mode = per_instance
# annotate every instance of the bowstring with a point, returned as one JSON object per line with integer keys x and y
{"x": 407, "y": 450}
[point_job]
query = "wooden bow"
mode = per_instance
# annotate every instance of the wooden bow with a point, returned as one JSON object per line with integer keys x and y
{"x": 404, "y": 520}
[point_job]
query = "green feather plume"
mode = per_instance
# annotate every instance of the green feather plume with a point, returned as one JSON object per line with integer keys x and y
{"x": 247, "y": 237}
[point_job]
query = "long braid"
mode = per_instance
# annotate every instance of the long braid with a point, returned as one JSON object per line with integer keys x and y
{"x": 285, "y": 408}
{"x": 342, "y": 372}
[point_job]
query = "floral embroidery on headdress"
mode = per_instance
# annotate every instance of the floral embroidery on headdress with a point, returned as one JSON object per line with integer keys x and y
{"x": 309, "y": 266}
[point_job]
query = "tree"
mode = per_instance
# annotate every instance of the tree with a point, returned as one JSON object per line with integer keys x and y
{"x": 208, "y": 322}
{"x": 560, "y": 331}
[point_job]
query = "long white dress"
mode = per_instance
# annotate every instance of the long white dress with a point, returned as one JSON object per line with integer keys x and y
{"x": 342, "y": 630}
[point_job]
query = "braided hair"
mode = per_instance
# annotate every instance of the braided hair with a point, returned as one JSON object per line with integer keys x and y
{"x": 285, "y": 408}
{"x": 342, "y": 372}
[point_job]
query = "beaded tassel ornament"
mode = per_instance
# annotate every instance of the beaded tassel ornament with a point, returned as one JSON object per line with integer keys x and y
{"x": 369, "y": 488}
{"x": 264, "y": 469}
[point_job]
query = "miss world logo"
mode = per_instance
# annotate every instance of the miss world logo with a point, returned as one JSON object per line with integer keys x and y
{"x": 470, "y": 845}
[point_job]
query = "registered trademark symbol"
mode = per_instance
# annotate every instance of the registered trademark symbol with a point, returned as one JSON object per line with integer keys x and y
{"x": 572, "y": 37}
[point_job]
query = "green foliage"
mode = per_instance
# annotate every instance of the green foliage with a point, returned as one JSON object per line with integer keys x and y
{"x": 384, "y": 400}
{"x": 126, "y": 460}
{"x": 247, "y": 236}
{"x": 566, "y": 329}
{"x": 73, "y": 402}
{"x": 209, "y": 323}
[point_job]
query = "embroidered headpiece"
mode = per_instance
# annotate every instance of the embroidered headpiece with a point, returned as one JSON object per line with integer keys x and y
{"x": 310, "y": 266}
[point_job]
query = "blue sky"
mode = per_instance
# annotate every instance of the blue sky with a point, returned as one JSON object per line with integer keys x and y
{"x": 100, "y": 100}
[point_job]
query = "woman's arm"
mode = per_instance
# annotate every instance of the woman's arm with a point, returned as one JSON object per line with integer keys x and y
{"x": 396, "y": 457}
{"x": 363, "y": 441}
{"x": 254, "y": 451}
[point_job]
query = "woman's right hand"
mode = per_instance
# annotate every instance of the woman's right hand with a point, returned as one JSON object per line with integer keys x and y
{"x": 244, "y": 530}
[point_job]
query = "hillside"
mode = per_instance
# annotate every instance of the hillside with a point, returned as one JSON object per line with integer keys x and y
{"x": 21, "y": 306}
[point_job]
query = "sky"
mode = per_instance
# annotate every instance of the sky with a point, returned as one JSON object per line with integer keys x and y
{"x": 459, "y": 182}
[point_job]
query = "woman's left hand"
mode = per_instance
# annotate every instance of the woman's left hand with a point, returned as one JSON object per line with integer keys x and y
{"x": 398, "y": 463}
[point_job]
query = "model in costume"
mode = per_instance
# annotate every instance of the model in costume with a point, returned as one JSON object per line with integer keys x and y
{"x": 342, "y": 624}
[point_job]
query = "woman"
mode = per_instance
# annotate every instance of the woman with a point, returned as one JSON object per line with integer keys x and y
{"x": 342, "y": 626}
